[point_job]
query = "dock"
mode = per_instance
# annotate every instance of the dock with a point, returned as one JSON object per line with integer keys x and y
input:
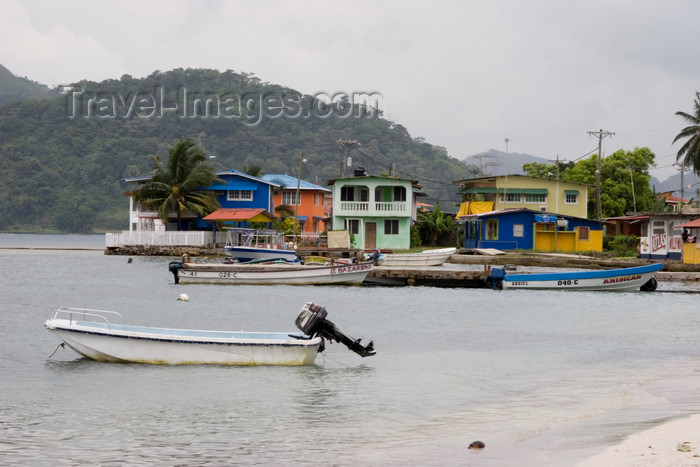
{"x": 426, "y": 276}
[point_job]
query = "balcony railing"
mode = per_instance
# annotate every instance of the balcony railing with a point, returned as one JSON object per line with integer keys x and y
{"x": 379, "y": 208}
{"x": 391, "y": 207}
{"x": 354, "y": 206}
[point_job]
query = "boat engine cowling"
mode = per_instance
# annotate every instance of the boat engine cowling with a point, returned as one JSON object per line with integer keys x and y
{"x": 312, "y": 321}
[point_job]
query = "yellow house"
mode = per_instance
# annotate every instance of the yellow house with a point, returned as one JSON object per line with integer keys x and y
{"x": 520, "y": 191}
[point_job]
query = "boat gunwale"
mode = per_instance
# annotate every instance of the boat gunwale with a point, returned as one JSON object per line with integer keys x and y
{"x": 293, "y": 340}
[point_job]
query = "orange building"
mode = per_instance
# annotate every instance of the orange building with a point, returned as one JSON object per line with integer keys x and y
{"x": 310, "y": 206}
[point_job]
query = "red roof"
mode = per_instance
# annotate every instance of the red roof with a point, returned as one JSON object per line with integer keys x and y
{"x": 237, "y": 214}
{"x": 694, "y": 223}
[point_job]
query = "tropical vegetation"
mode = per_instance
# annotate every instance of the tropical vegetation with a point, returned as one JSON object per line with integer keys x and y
{"x": 689, "y": 154}
{"x": 63, "y": 158}
{"x": 179, "y": 186}
{"x": 624, "y": 180}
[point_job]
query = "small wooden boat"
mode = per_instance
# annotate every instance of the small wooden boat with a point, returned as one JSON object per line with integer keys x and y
{"x": 436, "y": 257}
{"x": 287, "y": 273}
{"x": 93, "y": 334}
{"x": 625, "y": 279}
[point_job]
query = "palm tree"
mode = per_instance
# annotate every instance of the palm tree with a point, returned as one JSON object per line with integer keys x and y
{"x": 253, "y": 170}
{"x": 179, "y": 186}
{"x": 690, "y": 151}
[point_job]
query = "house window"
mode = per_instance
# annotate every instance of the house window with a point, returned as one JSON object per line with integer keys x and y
{"x": 492, "y": 229}
{"x": 317, "y": 198}
{"x": 352, "y": 226}
{"x": 240, "y": 195}
{"x": 219, "y": 193}
{"x": 347, "y": 193}
{"x": 399, "y": 193}
{"x": 658, "y": 227}
{"x": 391, "y": 227}
{"x": 645, "y": 230}
{"x": 583, "y": 233}
{"x": 289, "y": 197}
{"x": 536, "y": 198}
{"x": 511, "y": 198}
{"x": 364, "y": 195}
{"x": 570, "y": 199}
{"x": 518, "y": 230}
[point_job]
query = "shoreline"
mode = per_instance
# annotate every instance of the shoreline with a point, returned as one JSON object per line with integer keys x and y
{"x": 664, "y": 445}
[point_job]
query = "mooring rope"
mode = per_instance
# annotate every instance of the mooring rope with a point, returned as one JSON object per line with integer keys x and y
{"x": 62, "y": 344}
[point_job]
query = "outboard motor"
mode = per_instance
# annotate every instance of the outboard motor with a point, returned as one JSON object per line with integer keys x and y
{"x": 495, "y": 280}
{"x": 312, "y": 321}
{"x": 374, "y": 256}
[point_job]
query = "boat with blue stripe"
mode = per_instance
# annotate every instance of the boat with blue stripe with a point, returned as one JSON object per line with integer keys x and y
{"x": 624, "y": 279}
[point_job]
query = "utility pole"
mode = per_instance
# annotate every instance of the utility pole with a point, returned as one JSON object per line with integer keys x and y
{"x": 344, "y": 145}
{"x": 682, "y": 166}
{"x": 600, "y": 134}
{"x": 505, "y": 183}
{"x": 556, "y": 162}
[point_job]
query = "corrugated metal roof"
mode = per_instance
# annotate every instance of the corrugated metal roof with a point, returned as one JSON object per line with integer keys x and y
{"x": 288, "y": 181}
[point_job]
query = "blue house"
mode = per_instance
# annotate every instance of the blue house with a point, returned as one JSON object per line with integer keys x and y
{"x": 242, "y": 191}
{"x": 525, "y": 229}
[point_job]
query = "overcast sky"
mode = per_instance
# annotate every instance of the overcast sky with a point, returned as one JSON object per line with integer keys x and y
{"x": 464, "y": 75}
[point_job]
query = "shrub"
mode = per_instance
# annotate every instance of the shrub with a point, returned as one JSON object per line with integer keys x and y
{"x": 623, "y": 245}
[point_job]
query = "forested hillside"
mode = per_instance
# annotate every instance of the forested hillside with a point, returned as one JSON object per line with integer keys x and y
{"x": 14, "y": 88}
{"x": 62, "y": 159}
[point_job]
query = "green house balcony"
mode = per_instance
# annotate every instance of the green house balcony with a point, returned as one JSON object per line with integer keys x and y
{"x": 379, "y": 208}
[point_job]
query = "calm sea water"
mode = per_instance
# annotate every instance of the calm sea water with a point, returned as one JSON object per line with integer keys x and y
{"x": 543, "y": 378}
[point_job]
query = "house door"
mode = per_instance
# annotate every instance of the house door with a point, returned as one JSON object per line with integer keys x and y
{"x": 370, "y": 235}
{"x": 472, "y": 234}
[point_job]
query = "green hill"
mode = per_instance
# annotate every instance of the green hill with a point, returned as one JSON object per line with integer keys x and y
{"x": 62, "y": 159}
{"x": 14, "y": 88}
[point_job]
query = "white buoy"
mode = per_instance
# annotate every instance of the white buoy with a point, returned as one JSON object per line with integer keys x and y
{"x": 183, "y": 298}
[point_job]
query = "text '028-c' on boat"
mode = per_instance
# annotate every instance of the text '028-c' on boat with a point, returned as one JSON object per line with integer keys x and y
{"x": 94, "y": 335}
{"x": 625, "y": 279}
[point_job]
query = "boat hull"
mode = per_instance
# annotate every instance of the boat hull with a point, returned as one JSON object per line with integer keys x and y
{"x": 244, "y": 253}
{"x": 425, "y": 258}
{"x": 628, "y": 279}
{"x": 131, "y": 344}
{"x": 353, "y": 274}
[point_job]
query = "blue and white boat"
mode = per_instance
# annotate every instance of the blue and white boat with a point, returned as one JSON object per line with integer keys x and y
{"x": 95, "y": 335}
{"x": 625, "y": 279}
{"x": 250, "y": 244}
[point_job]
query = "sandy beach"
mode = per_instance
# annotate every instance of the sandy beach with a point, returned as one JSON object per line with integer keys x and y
{"x": 673, "y": 444}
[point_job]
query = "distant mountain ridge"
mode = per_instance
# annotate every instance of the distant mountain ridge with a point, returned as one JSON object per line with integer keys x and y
{"x": 14, "y": 88}
{"x": 495, "y": 162}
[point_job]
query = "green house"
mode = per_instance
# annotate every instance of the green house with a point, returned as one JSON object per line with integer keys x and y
{"x": 377, "y": 211}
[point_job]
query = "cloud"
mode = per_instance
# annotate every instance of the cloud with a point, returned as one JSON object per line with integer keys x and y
{"x": 463, "y": 75}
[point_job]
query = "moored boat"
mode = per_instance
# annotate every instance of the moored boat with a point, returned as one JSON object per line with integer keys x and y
{"x": 93, "y": 334}
{"x": 293, "y": 274}
{"x": 250, "y": 244}
{"x": 624, "y": 279}
{"x": 435, "y": 257}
